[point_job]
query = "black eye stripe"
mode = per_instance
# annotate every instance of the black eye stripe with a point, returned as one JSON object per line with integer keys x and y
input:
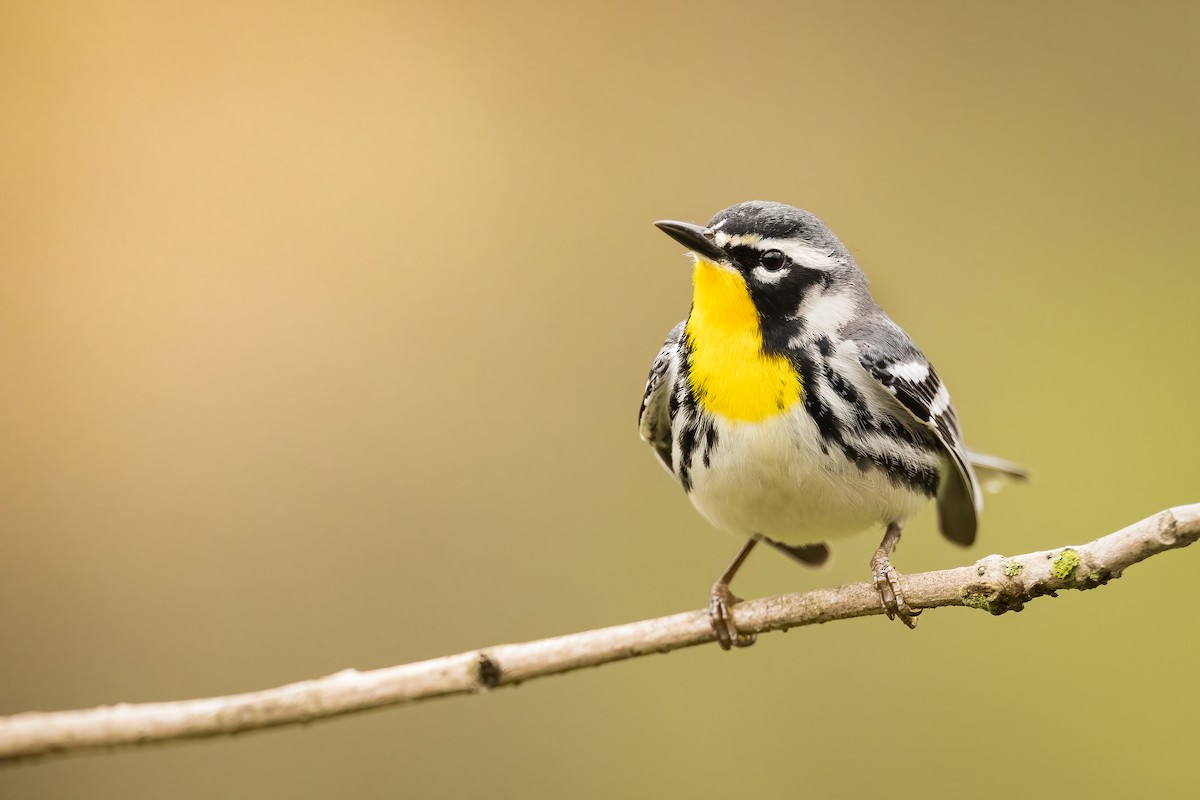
{"x": 744, "y": 254}
{"x": 748, "y": 258}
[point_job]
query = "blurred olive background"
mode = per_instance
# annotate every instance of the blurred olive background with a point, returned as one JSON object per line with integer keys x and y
{"x": 323, "y": 326}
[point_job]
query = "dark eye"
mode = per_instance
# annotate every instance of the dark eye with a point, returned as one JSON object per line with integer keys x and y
{"x": 773, "y": 260}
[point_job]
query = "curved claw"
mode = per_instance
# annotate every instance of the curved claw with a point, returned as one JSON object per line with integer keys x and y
{"x": 720, "y": 614}
{"x": 891, "y": 597}
{"x": 887, "y": 581}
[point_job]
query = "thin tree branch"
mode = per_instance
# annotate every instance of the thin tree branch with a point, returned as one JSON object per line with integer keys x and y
{"x": 994, "y": 584}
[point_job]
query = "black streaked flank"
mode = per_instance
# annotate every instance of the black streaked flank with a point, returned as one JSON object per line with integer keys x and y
{"x": 687, "y": 446}
{"x": 847, "y": 391}
{"x": 710, "y": 442}
{"x": 899, "y": 472}
{"x": 856, "y": 457}
{"x": 827, "y": 423}
{"x": 689, "y": 399}
{"x": 917, "y": 437}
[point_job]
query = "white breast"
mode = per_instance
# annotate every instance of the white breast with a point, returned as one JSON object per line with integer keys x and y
{"x": 772, "y": 478}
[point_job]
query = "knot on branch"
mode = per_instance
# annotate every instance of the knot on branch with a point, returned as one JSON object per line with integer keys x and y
{"x": 1168, "y": 527}
{"x": 488, "y": 671}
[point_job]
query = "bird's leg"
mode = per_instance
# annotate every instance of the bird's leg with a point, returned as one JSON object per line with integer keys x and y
{"x": 720, "y": 607}
{"x": 887, "y": 581}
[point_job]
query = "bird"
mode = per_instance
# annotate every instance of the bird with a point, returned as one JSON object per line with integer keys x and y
{"x": 793, "y": 410}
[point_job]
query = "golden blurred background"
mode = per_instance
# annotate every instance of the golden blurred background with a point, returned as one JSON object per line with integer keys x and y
{"x": 323, "y": 327}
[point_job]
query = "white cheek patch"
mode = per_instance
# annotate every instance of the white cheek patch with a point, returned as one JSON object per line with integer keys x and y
{"x": 764, "y": 275}
{"x": 823, "y": 314}
{"x": 826, "y": 313}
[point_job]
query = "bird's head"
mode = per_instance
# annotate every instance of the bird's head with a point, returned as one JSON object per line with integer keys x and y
{"x": 778, "y": 260}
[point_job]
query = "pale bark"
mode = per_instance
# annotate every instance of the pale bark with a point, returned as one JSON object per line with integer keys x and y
{"x": 996, "y": 584}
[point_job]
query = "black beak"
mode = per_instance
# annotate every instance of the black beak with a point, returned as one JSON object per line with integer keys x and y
{"x": 693, "y": 237}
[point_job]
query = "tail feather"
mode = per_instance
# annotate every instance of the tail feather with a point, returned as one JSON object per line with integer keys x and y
{"x": 993, "y": 471}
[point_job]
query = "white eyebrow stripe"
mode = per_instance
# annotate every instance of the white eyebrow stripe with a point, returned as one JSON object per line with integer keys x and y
{"x": 803, "y": 254}
{"x": 742, "y": 239}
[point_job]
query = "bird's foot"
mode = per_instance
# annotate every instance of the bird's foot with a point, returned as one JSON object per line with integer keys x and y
{"x": 887, "y": 583}
{"x": 720, "y": 614}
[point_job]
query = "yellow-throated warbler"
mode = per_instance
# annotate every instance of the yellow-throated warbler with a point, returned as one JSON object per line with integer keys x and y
{"x": 793, "y": 410}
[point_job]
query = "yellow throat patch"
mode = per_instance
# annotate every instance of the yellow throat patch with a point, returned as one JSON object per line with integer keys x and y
{"x": 730, "y": 375}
